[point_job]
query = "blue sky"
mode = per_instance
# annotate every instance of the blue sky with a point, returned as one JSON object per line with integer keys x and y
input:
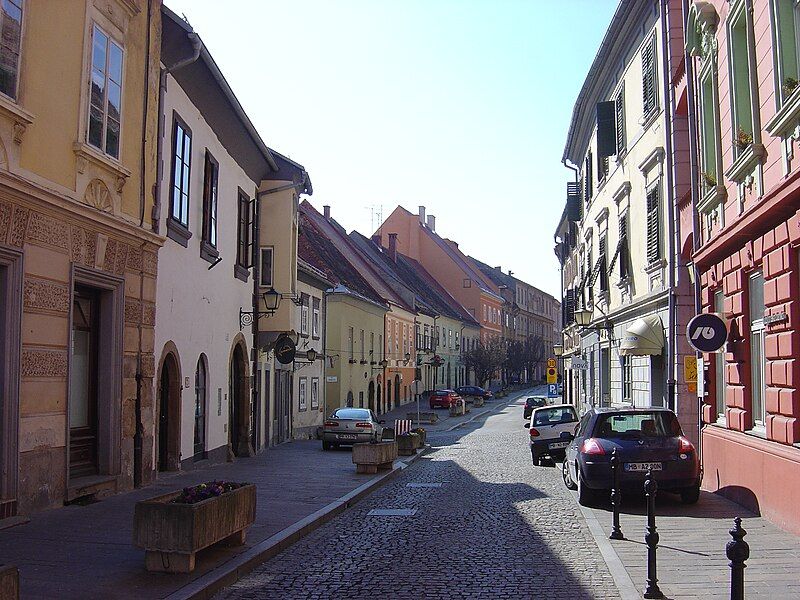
{"x": 458, "y": 105}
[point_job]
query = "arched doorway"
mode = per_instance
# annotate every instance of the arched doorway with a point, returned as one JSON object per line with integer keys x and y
{"x": 239, "y": 414}
{"x": 397, "y": 390}
{"x": 388, "y": 396}
{"x": 371, "y": 396}
{"x": 169, "y": 414}
{"x": 378, "y": 402}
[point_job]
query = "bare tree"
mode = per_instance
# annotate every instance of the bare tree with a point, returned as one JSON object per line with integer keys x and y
{"x": 485, "y": 359}
{"x": 533, "y": 353}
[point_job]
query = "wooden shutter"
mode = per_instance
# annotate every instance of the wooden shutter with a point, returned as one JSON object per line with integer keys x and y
{"x": 623, "y": 246}
{"x": 606, "y": 130}
{"x": 649, "y": 76}
{"x": 619, "y": 105}
{"x": 574, "y": 205}
{"x": 587, "y": 178}
{"x": 603, "y": 261}
{"x": 653, "y": 226}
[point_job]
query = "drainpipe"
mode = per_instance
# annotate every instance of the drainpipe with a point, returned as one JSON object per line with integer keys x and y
{"x": 197, "y": 46}
{"x": 693, "y": 153}
{"x": 669, "y": 105}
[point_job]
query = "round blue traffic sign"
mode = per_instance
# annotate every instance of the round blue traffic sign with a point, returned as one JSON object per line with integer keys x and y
{"x": 707, "y": 332}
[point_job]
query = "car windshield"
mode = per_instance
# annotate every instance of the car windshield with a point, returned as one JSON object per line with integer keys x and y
{"x": 535, "y": 400}
{"x": 639, "y": 424}
{"x": 351, "y": 413}
{"x": 555, "y": 415}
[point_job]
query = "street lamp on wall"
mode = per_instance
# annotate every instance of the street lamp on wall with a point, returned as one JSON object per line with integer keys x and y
{"x": 583, "y": 316}
{"x": 558, "y": 349}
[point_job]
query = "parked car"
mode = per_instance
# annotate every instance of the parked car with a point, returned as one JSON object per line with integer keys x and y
{"x": 347, "y": 426}
{"x": 645, "y": 439}
{"x": 532, "y": 402}
{"x": 551, "y": 430}
{"x": 443, "y": 399}
{"x": 473, "y": 391}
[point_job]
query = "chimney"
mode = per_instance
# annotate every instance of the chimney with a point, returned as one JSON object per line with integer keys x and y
{"x": 422, "y": 215}
{"x": 393, "y": 246}
{"x": 326, "y": 210}
{"x": 432, "y": 223}
{"x": 376, "y": 239}
{"x": 499, "y": 269}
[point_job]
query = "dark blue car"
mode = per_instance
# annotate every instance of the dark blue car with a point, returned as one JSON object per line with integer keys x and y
{"x": 645, "y": 439}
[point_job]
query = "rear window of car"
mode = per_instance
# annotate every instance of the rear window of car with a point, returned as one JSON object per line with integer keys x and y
{"x": 643, "y": 424}
{"x": 553, "y": 416}
{"x": 351, "y": 413}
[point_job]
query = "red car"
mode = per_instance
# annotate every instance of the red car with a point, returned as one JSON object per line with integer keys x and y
{"x": 443, "y": 399}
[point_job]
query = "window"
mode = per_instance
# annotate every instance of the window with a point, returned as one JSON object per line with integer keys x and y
{"x": 602, "y": 168}
{"x": 266, "y": 267}
{"x": 372, "y": 347}
{"x": 10, "y": 44}
{"x": 719, "y": 363}
{"x": 304, "y": 314}
{"x": 624, "y": 259}
{"x": 786, "y": 27}
{"x": 361, "y": 399}
{"x": 210, "y": 184}
{"x": 653, "y": 226}
{"x": 200, "y": 409}
{"x": 627, "y": 377}
{"x": 361, "y": 339}
{"x": 350, "y": 343}
{"x": 587, "y": 179}
{"x": 466, "y": 283}
{"x": 181, "y": 166}
{"x": 105, "y": 88}
{"x": 244, "y": 235}
{"x": 427, "y": 335}
{"x": 301, "y": 388}
{"x": 649, "y": 78}
{"x": 619, "y": 105}
{"x": 709, "y": 128}
{"x": 315, "y": 393}
{"x": 315, "y": 319}
{"x": 741, "y": 94}
{"x": 603, "y": 265}
{"x": 757, "y": 358}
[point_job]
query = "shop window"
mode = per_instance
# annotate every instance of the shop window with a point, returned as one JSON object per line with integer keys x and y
{"x": 757, "y": 357}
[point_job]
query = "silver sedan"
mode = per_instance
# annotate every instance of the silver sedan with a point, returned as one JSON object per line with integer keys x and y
{"x": 347, "y": 426}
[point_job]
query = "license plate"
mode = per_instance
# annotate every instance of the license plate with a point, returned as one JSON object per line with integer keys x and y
{"x": 646, "y": 466}
{"x": 346, "y": 436}
{"x": 558, "y": 445}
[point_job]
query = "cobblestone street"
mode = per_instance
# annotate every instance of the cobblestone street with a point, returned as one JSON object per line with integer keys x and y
{"x": 493, "y": 526}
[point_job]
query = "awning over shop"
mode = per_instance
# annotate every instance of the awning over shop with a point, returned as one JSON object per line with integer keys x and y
{"x": 644, "y": 338}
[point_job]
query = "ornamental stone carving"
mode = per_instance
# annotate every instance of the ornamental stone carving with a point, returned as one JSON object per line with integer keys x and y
{"x": 44, "y": 363}
{"x": 84, "y": 246}
{"x": 41, "y": 294}
{"x": 98, "y": 196}
{"x": 19, "y": 223}
{"x": 48, "y": 230}
{"x": 5, "y": 220}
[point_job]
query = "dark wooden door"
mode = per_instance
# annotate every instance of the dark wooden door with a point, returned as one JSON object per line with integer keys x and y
{"x": 83, "y": 384}
{"x": 163, "y": 417}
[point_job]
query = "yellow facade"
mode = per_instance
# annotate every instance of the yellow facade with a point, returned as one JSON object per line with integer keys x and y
{"x": 73, "y": 216}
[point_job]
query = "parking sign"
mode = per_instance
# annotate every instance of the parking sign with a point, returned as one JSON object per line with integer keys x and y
{"x": 552, "y": 390}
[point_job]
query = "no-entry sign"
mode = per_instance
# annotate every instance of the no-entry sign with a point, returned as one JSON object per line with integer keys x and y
{"x": 707, "y": 332}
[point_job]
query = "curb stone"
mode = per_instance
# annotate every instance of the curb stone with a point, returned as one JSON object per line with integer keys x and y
{"x": 204, "y": 587}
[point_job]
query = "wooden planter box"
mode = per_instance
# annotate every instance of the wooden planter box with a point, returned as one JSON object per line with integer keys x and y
{"x": 407, "y": 444}
{"x": 9, "y": 583}
{"x": 368, "y": 458}
{"x": 421, "y": 438}
{"x": 171, "y": 534}
{"x": 457, "y": 410}
{"x": 477, "y": 401}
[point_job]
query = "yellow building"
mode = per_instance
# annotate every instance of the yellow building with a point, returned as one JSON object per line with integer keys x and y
{"x": 78, "y": 259}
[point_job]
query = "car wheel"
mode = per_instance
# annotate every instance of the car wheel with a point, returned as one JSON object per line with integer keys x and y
{"x": 586, "y": 495}
{"x": 690, "y": 495}
{"x": 536, "y": 459}
{"x": 326, "y": 445}
{"x": 567, "y": 477}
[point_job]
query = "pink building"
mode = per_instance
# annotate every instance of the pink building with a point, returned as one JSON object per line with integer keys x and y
{"x": 744, "y": 71}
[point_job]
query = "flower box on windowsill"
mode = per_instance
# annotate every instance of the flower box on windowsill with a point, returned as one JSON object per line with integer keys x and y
{"x": 745, "y": 162}
{"x": 787, "y": 118}
{"x": 711, "y": 198}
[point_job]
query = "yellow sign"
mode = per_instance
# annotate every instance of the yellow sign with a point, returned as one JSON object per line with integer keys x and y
{"x": 551, "y": 375}
{"x": 551, "y": 363}
{"x": 690, "y": 373}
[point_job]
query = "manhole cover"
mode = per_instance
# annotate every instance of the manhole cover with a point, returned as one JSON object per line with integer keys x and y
{"x": 392, "y": 512}
{"x": 424, "y": 485}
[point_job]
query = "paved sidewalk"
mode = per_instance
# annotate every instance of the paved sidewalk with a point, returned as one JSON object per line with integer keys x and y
{"x": 691, "y": 561}
{"x": 86, "y": 551}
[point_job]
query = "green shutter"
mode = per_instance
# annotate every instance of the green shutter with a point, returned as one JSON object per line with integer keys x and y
{"x": 653, "y": 226}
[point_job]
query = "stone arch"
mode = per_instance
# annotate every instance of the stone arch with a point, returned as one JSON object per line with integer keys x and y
{"x": 168, "y": 409}
{"x": 240, "y": 418}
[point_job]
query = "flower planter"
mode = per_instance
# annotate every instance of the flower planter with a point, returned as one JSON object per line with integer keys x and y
{"x": 477, "y": 401}
{"x": 422, "y": 436}
{"x": 171, "y": 534}
{"x": 9, "y": 583}
{"x": 457, "y": 409}
{"x": 368, "y": 458}
{"x": 407, "y": 444}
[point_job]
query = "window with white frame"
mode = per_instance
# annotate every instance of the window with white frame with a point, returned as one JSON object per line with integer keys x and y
{"x": 315, "y": 332}
{"x": 301, "y": 387}
{"x": 720, "y": 385}
{"x": 653, "y": 224}
{"x": 181, "y": 168}
{"x": 627, "y": 377}
{"x": 10, "y": 45}
{"x": 786, "y": 49}
{"x": 105, "y": 93}
{"x": 755, "y": 293}
{"x": 739, "y": 41}
{"x": 315, "y": 393}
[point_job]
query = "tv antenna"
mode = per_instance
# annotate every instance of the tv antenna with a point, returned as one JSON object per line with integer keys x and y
{"x": 375, "y": 210}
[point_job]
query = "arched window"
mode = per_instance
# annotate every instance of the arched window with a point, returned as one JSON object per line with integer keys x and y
{"x": 200, "y": 409}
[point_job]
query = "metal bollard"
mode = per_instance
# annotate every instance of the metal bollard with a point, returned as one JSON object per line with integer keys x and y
{"x": 737, "y": 551}
{"x": 616, "y": 532}
{"x": 651, "y": 538}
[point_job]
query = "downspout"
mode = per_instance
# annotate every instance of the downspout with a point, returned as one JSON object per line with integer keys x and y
{"x": 138, "y": 435}
{"x": 197, "y": 46}
{"x": 693, "y": 153}
{"x": 674, "y": 229}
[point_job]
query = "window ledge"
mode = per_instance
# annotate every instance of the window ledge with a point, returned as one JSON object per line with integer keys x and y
{"x": 624, "y": 283}
{"x": 241, "y": 273}
{"x": 14, "y": 112}
{"x": 178, "y": 232}
{"x": 655, "y": 266}
{"x": 89, "y": 154}
{"x": 711, "y": 198}
{"x": 745, "y": 162}
{"x": 208, "y": 252}
{"x": 787, "y": 117}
